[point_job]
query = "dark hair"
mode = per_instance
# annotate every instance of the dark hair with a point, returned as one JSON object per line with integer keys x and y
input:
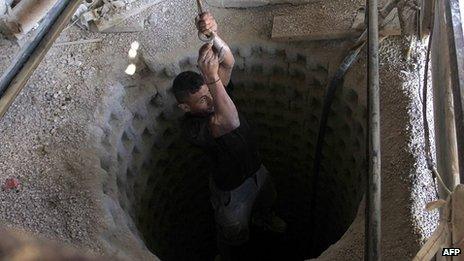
{"x": 186, "y": 83}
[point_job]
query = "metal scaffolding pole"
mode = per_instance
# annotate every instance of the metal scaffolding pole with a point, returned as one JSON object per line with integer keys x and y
{"x": 25, "y": 63}
{"x": 373, "y": 192}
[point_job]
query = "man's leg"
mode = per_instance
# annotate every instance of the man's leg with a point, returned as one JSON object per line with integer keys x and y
{"x": 267, "y": 193}
{"x": 263, "y": 212}
{"x": 232, "y": 212}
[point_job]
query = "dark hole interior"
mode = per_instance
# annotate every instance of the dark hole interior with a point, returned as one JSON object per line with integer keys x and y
{"x": 163, "y": 181}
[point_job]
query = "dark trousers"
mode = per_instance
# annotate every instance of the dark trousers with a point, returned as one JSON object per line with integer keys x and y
{"x": 233, "y": 210}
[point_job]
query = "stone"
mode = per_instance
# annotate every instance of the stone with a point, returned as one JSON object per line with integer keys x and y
{"x": 116, "y": 19}
{"x": 245, "y": 51}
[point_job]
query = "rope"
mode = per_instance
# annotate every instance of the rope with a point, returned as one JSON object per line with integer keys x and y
{"x": 209, "y": 36}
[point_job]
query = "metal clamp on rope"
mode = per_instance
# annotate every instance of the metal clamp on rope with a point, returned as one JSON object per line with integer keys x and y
{"x": 207, "y": 38}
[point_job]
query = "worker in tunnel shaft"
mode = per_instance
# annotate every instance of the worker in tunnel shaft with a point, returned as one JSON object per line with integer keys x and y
{"x": 241, "y": 187}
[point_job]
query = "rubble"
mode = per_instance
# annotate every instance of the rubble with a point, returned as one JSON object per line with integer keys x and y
{"x": 107, "y": 16}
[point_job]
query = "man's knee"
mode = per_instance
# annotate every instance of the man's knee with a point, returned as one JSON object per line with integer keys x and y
{"x": 267, "y": 193}
{"x": 234, "y": 233}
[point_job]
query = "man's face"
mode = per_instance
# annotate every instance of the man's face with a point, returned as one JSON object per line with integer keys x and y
{"x": 199, "y": 103}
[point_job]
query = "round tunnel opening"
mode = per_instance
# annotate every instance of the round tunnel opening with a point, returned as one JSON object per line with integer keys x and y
{"x": 163, "y": 181}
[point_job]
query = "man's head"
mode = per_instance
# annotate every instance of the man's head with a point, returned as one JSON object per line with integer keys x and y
{"x": 192, "y": 94}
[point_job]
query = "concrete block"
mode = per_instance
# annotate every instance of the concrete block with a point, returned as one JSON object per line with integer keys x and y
{"x": 172, "y": 70}
{"x": 184, "y": 63}
{"x": 291, "y": 55}
{"x": 267, "y": 69}
{"x": 269, "y": 50}
{"x": 245, "y": 51}
{"x": 192, "y": 60}
{"x": 239, "y": 62}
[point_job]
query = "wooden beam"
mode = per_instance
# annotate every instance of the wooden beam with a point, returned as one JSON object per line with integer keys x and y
{"x": 311, "y": 27}
{"x": 445, "y": 129}
{"x": 426, "y": 14}
{"x": 457, "y": 218}
{"x": 328, "y": 26}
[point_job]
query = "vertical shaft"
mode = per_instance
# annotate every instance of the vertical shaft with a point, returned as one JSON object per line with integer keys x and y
{"x": 373, "y": 212}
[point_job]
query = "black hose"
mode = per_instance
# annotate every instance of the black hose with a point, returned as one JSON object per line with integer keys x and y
{"x": 336, "y": 81}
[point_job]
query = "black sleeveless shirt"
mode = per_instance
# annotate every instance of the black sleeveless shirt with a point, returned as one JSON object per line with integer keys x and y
{"x": 234, "y": 155}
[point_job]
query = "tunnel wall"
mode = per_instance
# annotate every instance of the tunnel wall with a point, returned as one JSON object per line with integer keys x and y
{"x": 160, "y": 183}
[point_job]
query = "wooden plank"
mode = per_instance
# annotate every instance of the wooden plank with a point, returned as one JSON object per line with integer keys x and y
{"x": 311, "y": 27}
{"x": 328, "y": 26}
{"x": 426, "y": 13}
{"x": 445, "y": 130}
{"x": 457, "y": 219}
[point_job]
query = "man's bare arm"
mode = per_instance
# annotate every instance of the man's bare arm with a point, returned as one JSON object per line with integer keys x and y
{"x": 207, "y": 24}
{"x": 225, "y": 118}
{"x": 226, "y": 66}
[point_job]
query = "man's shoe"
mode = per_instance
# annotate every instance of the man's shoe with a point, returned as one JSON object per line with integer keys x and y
{"x": 270, "y": 222}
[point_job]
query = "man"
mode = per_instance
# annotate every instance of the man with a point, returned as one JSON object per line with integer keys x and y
{"x": 239, "y": 183}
